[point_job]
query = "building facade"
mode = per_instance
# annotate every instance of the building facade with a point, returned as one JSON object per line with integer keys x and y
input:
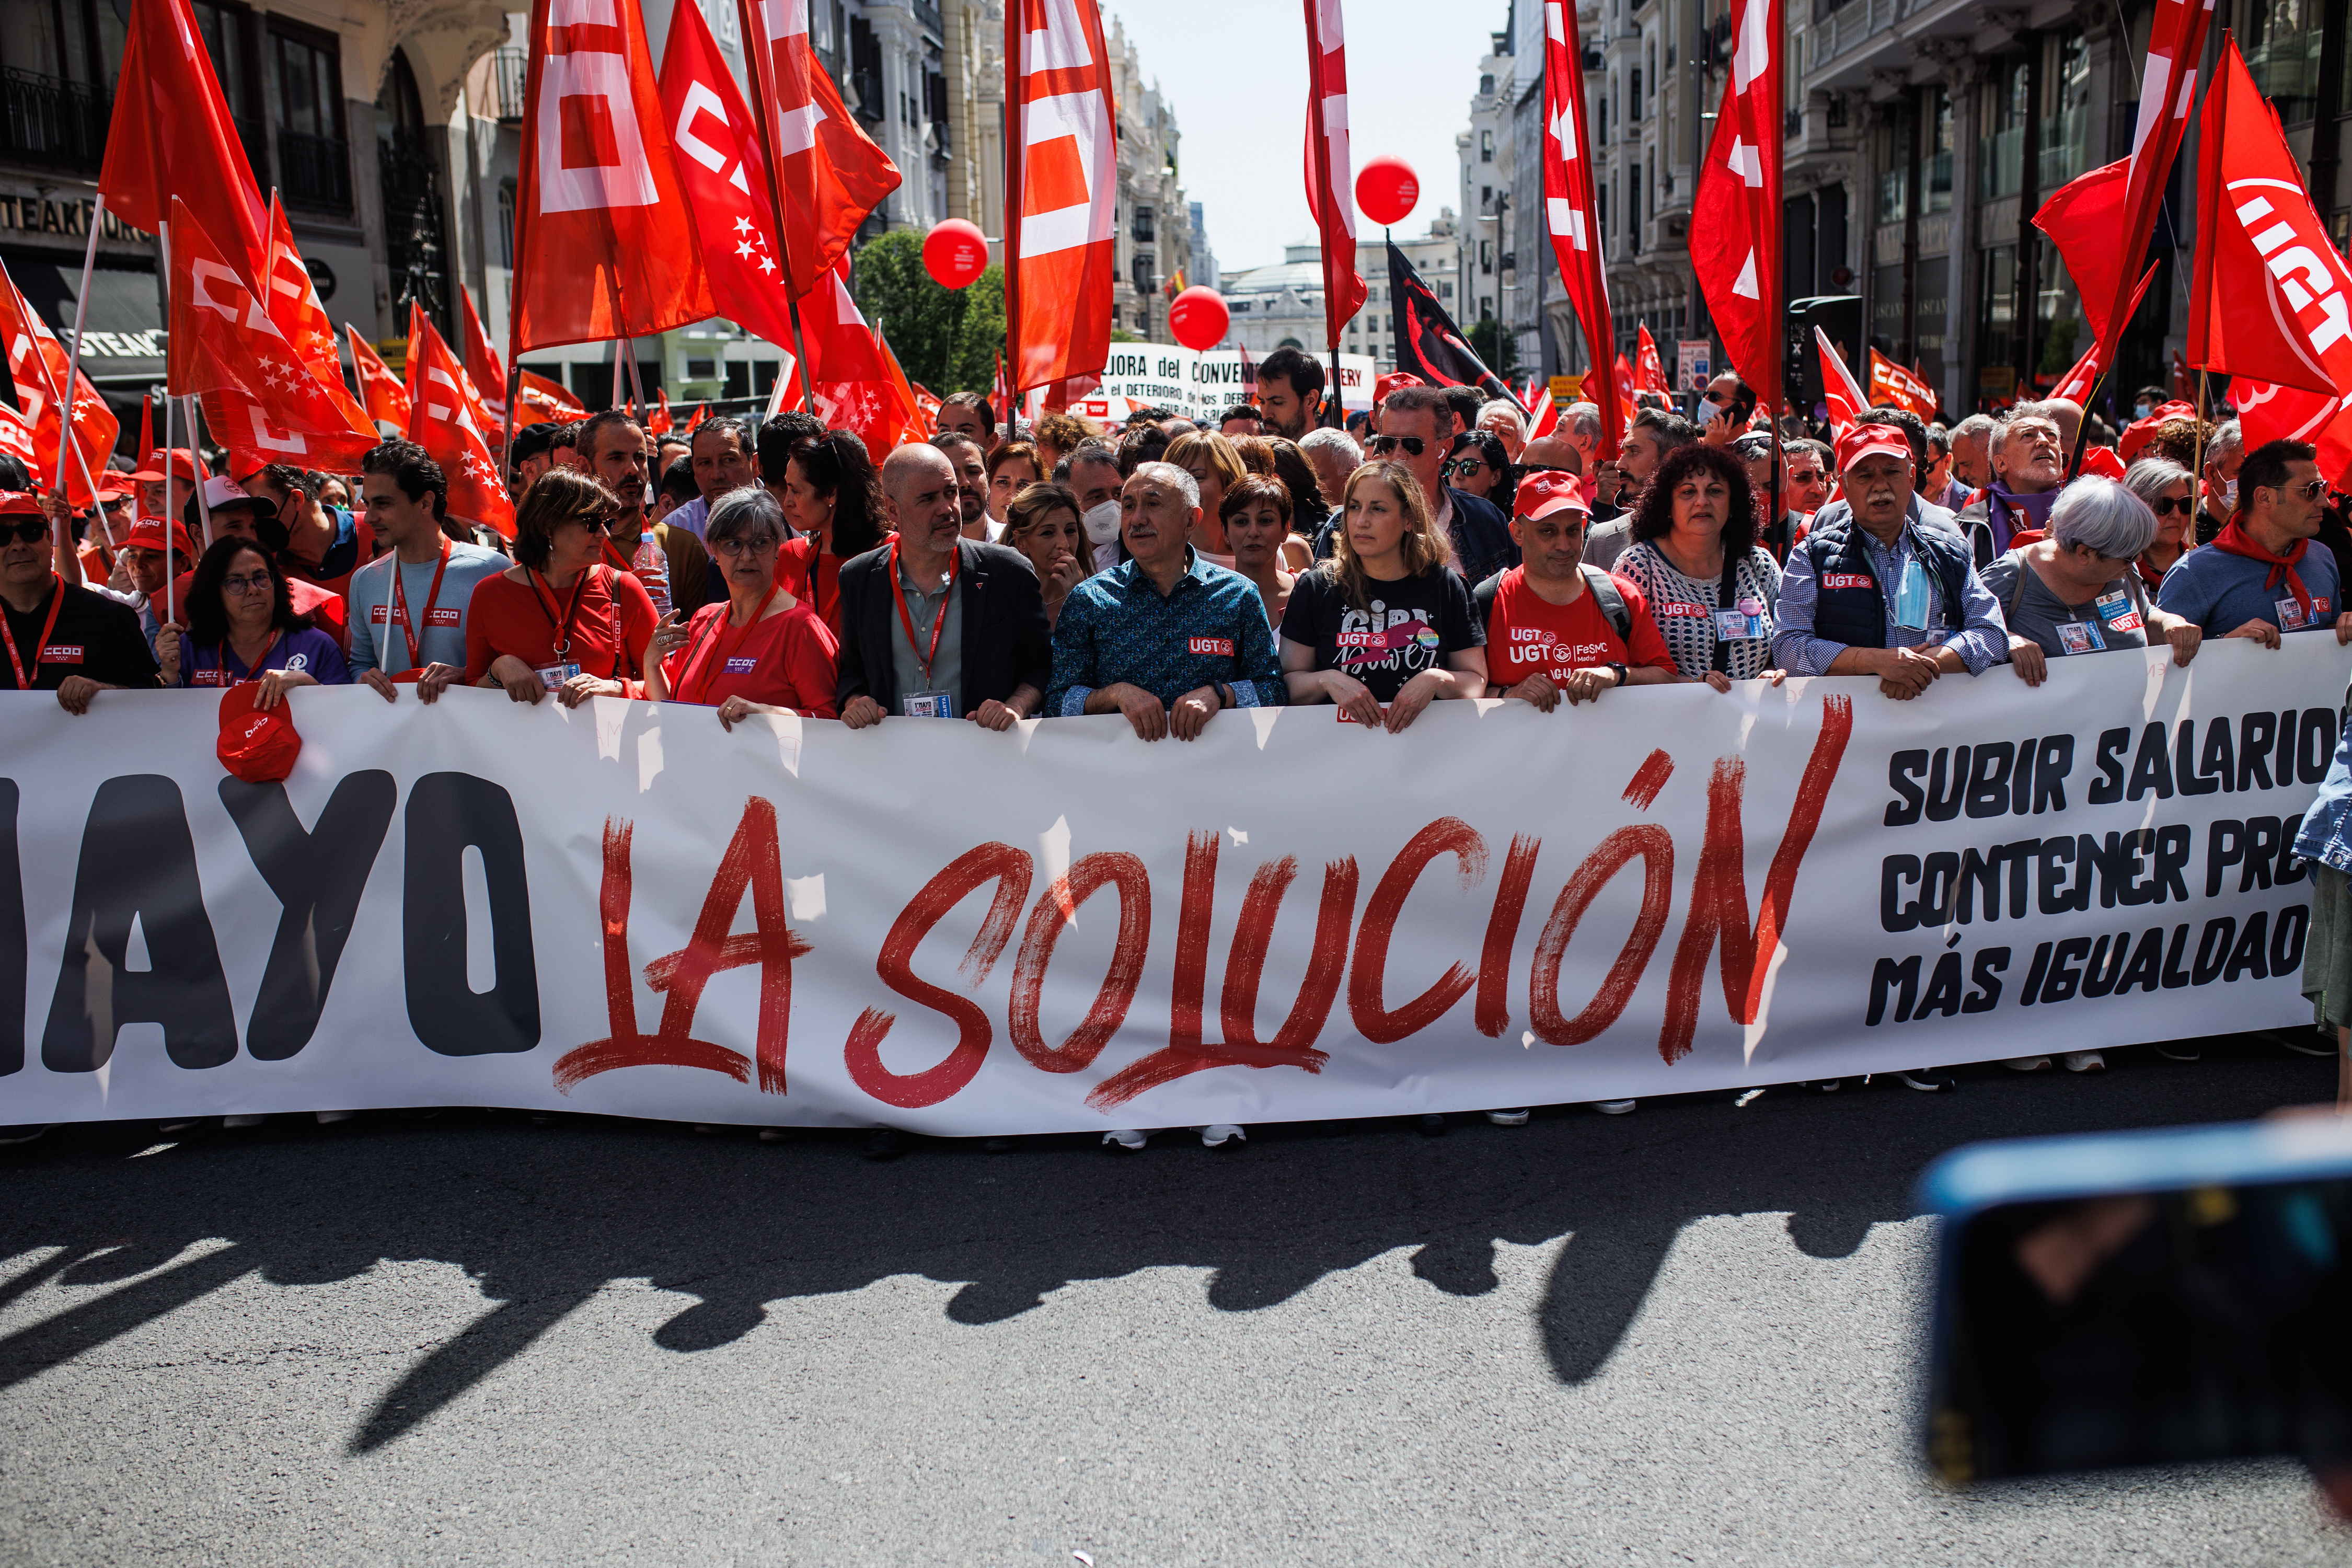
{"x": 1281, "y": 306}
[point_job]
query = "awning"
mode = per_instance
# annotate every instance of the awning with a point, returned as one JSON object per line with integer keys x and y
{"x": 123, "y": 334}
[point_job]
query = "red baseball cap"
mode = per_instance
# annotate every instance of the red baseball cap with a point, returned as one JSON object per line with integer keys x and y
{"x": 1546, "y": 492}
{"x": 20, "y": 503}
{"x": 1392, "y": 382}
{"x": 257, "y": 744}
{"x": 184, "y": 465}
{"x": 147, "y": 533}
{"x": 1871, "y": 441}
{"x": 244, "y": 463}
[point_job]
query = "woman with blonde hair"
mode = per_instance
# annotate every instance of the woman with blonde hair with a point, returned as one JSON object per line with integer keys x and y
{"x": 1042, "y": 523}
{"x": 1211, "y": 459}
{"x": 1386, "y": 625}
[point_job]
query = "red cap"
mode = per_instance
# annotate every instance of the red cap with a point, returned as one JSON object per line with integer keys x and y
{"x": 257, "y": 744}
{"x": 147, "y": 533}
{"x": 1871, "y": 441}
{"x": 1546, "y": 492}
{"x": 20, "y": 503}
{"x": 1392, "y": 381}
{"x": 244, "y": 463}
{"x": 182, "y": 462}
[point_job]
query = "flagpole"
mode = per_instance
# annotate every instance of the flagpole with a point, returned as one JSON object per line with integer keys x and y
{"x": 759, "y": 63}
{"x": 163, "y": 246}
{"x": 73, "y": 350}
{"x": 1012, "y": 241}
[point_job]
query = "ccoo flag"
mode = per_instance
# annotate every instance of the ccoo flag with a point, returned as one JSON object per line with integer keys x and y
{"x": 1061, "y": 176}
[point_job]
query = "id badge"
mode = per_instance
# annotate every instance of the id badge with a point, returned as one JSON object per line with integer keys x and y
{"x": 2114, "y": 606}
{"x": 1735, "y": 625}
{"x": 552, "y": 676}
{"x": 2291, "y": 616}
{"x": 925, "y": 705}
{"x": 2080, "y": 636}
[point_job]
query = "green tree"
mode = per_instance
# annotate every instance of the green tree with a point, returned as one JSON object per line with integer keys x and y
{"x": 947, "y": 339}
{"x": 1497, "y": 348}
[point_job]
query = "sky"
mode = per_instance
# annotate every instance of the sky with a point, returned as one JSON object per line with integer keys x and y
{"x": 1236, "y": 73}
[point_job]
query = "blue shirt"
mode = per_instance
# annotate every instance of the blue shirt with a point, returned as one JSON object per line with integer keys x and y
{"x": 376, "y": 644}
{"x": 1982, "y": 640}
{"x": 310, "y": 650}
{"x": 2221, "y": 592}
{"x": 2327, "y": 831}
{"x": 1116, "y": 626}
{"x": 693, "y": 517}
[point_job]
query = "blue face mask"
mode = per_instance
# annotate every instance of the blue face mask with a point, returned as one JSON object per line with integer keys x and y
{"x": 1911, "y": 596}
{"x": 2141, "y": 410}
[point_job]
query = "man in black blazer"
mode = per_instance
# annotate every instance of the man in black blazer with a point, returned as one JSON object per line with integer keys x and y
{"x": 936, "y": 625}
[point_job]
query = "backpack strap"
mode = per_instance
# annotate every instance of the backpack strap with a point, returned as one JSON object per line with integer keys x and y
{"x": 1612, "y": 602}
{"x": 1725, "y": 597}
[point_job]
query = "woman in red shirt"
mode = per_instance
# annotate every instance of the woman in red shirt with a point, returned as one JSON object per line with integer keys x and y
{"x": 761, "y": 651}
{"x": 557, "y": 621}
{"x": 834, "y": 503}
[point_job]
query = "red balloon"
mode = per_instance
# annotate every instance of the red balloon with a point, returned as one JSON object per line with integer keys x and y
{"x": 955, "y": 253}
{"x": 1198, "y": 317}
{"x": 1387, "y": 190}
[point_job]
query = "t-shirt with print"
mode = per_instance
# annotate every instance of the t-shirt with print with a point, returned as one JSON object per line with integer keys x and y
{"x": 2116, "y": 618}
{"x": 1409, "y": 624}
{"x": 1529, "y": 635}
{"x": 1691, "y": 618}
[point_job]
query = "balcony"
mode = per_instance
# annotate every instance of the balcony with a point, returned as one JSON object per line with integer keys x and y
{"x": 314, "y": 172}
{"x": 510, "y": 79}
{"x": 51, "y": 122}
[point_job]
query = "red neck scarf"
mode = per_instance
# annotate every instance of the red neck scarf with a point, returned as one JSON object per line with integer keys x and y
{"x": 2234, "y": 540}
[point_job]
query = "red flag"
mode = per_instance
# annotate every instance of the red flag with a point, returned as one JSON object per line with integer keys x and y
{"x": 701, "y": 413}
{"x": 544, "y": 400}
{"x": 482, "y": 364}
{"x": 1626, "y": 378}
{"x": 2272, "y": 299}
{"x": 1651, "y": 375}
{"x": 2268, "y": 413}
{"x": 476, "y": 408}
{"x": 146, "y": 424}
{"x": 603, "y": 244}
{"x": 1062, "y": 201}
{"x": 440, "y": 421}
{"x": 1735, "y": 233}
{"x": 1895, "y": 386}
{"x": 387, "y": 400}
{"x": 16, "y": 438}
{"x": 2101, "y": 222}
{"x": 36, "y": 362}
{"x": 172, "y": 136}
{"x": 293, "y": 301}
{"x": 1839, "y": 389}
{"x": 660, "y": 424}
{"x": 1330, "y": 187}
{"x": 1543, "y": 411}
{"x": 258, "y": 395}
{"x": 1573, "y": 217}
{"x": 826, "y": 174}
{"x": 2076, "y": 383}
{"x": 840, "y": 344}
{"x": 2178, "y": 381}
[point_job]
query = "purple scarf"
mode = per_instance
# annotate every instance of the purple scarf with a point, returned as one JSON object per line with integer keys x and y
{"x": 2006, "y": 506}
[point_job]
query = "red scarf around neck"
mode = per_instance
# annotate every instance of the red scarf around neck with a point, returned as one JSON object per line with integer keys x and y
{"x": 2233, "y": 539}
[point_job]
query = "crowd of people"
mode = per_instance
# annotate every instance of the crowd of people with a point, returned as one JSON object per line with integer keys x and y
{"x": 1427, "y": 551}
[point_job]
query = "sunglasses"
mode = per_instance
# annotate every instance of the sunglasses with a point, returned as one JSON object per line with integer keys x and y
{"x": 32, "y": 530}
{"x": 2309, "y": 489}
{"x": 1462, "y": 467}
{"x": 2165, "y": 506}
{"x": 1383, "y": 444}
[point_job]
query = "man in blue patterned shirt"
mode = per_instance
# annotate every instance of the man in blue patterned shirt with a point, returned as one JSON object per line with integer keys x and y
{"x": 1164, "y": 638}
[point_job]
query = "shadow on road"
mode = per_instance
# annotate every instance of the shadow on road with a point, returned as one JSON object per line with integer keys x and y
{"x": 542, "y": 1217}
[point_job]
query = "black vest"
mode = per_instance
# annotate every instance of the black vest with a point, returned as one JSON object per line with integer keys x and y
{"x": 1850, "y": 607}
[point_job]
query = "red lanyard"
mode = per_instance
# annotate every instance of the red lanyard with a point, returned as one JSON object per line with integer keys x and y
{"x": 722, "y": 648}
{"x": 564, "y": 632}
{"x": 253, "y": 671}
{"x": 400, "y": 600}
{"x": 15, "y": 661}
{"x": 939, "y": 622}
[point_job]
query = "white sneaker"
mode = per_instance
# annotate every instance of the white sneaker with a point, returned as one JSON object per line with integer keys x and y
{"x": 1126, "y": 1138}
{"x": 1508, "y": 1118}
{"x": 238, "y": 1123}
{"x": 328, "y": 1118}
{"x": 1217, "y": 1134}
{"x": 1612, "y": 1107}
{"x": 2026, "y": 1064}
{"x": 2085, "y": 1061}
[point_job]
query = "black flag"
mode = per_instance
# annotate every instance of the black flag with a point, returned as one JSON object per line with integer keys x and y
{"x": 1428, "y": 343}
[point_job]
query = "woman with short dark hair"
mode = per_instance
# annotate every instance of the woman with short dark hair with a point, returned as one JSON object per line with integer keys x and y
{"x": 559, "y": 621}
{"x": 1479, "y": 465}
{"x": 242, "y": 626}
{"x": 763, "y": 650}
{"x": 1711, "y": 587}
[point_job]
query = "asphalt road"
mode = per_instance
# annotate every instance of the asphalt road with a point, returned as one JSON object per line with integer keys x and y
{"x": 1686, "y": 1335}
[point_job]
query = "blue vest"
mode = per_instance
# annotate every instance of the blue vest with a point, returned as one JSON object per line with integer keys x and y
{"x": 1850, "y": 606}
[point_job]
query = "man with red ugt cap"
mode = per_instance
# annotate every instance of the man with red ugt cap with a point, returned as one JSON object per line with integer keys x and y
{"x": 1555, "y": 626}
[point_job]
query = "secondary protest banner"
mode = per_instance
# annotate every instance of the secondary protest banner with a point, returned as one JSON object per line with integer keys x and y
{"x": 626, "y": 909}
{"x": 1199, "y": 384}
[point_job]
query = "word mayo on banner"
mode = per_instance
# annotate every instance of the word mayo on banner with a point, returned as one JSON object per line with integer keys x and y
{"x": 626, "y": 909}
{"x": 1199, "y": 384}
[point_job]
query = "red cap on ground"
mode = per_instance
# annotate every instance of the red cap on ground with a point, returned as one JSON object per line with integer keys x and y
{"x": 1871, "y": 441}
{"x": 1546, "y": 492}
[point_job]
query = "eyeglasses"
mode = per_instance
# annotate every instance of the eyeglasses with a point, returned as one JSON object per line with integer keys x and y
{"x": 252, "y": 583}
{"x": 2309, "y": 489}
{"x": 2165, "y": 506}
{"x": 731, "y": 546}
{"x": 1462, "y": 468}
{"x": 32, "y": 530}
{"x": 1383, "y": 444}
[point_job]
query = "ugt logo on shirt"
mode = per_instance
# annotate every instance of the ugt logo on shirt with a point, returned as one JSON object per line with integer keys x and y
{"x": 1846, "y": 580}
{"x": 1216, "y": 647}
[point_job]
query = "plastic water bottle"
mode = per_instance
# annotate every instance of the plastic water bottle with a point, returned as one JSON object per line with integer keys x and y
{"x": 651, "y": 569}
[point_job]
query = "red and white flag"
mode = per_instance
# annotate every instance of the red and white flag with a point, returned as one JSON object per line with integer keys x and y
{"x": 1062, "y": 192}
{"x": 37, "y": 362}
{"x": 2101, "y": 222}
{"x": 293, "y": 301}
{"x": 1330, "y": 185}
{"x": 726, "y": 179}
{"x": 604, "y": 244}
{"x": 16, "y": 438}
{"x": 659, "y": 422}
{"x": 1735, "y": 234}
{"x": 172, "y": 136}
{"x": 258, "y": 395}
{"x": 1891, "y": 384}
{"x": 1839, "y": 389}
{"x": 1649, "y": 374}
{"x": 441, "y": 421}
{"x": 482, "y": 365}
{"x": 859, "y": 386}
{"x": 841, "y": 346}
{"x": 541, "y": 400}
{"x": 1543, "y": 410}
{"x": 386, "y": 398}
{"x": 1573, "y": 217}
{"x": 828, "y": 173}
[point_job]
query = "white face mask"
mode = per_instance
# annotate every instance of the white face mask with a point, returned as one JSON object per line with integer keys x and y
{"x": 1101, "y": 523}
{"x": 2229, "y": 494}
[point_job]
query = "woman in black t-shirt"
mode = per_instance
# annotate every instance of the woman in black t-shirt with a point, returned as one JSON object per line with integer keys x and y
{"x": 1386, "y": 625}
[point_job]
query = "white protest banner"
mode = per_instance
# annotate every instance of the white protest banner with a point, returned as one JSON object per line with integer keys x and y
{"x": 626, "y": 909}
{"x": 1201, "y": 385}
